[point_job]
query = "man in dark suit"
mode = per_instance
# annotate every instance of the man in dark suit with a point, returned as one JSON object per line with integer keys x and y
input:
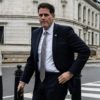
{"x": 57, "y": 58}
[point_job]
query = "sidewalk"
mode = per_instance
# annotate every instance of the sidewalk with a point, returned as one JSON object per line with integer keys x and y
{"x": 9, "y": 83}
{"x": 12, "y": 65}
{"x": 94, "y": 61}
{"x": 23, "y": 64}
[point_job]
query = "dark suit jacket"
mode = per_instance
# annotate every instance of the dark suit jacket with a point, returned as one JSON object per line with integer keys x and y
{"x": 65, "y": 44}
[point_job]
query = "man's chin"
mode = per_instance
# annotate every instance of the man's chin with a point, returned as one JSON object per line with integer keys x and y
{"x": 45, "y": 27}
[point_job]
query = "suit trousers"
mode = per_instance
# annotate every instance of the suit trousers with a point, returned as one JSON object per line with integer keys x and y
{"x": 1, "y": 89}
{"x": 50, "y": 89}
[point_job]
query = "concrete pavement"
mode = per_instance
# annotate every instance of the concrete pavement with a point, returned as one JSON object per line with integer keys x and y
{"x": 8, "y": 71}
{"x": 94, "y": 61}
{"x": 23, "y": 64}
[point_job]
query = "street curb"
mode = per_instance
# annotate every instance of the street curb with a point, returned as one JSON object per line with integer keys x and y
{"x": 93, "y": 61}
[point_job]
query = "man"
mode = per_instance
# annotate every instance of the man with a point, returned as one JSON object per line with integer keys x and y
{"x": 60, "y": 67}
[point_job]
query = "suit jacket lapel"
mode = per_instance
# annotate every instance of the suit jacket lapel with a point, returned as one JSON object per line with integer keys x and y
{"x": 55, "y": 35}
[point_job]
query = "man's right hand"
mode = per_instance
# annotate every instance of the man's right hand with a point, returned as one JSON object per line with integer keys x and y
{"x": 21, "y": 86}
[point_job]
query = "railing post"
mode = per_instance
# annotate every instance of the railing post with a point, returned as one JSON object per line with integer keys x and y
{"x": 18, "y": 74}
{"x": 1, "y": 85}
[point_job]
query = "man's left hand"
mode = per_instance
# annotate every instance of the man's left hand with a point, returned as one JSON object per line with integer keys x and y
{"x": 64, "y": 77}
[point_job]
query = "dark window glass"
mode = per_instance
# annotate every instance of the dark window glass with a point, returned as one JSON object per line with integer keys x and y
{"x": 1, "y": 34}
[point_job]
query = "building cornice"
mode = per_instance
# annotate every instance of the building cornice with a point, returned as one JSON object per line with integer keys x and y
{"x": 18, "y": 16}
{"x": 36, "y": 17}
{"x": 94, "y": 4}
{"x": 3, "y": 23}
{"x": 73, "y": 22}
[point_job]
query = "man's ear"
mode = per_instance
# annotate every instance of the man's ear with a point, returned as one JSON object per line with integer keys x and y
{"x": 53, "y": 14}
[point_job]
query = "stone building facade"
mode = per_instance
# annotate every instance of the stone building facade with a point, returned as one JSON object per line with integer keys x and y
{"x": 18, "y": 18}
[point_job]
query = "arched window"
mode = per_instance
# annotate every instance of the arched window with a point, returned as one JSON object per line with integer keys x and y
{"x": 84, "y": 14}
{"x": 96, "y": 38}
{"x": 88, "y": 16}
{"x": 64, "y": 10}
{"x": 79, "y": 12}
{"x": 95, "y": 20}
{"x": 92, "y": 18}
{"x": 64, "y": 2}
{"x": 92, "y": 38}
{"x": 89, "y": 38}
{"x": 1, "y": 34}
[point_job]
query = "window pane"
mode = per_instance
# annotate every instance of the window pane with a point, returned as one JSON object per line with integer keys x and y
{"x": 1, "y": 34}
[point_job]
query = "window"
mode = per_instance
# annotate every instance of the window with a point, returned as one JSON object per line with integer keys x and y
{"x": 1, "y": 34}
{"x": 99, "y": 21}
{"x": 35, "y": 1}
{"x": 63, "y": 2}
{"x": 79, "y": 12}
{"x": 92, "y": 38}
{"x": 92, "y": 18}
{"x": 98, "y": 1}
{"x": 0, "y": 0}
{"x": 84, "y": 36}
{"x": 64, "y": 10}
{"x": 96, "y": 38}
{"x": 96, "y": 20}
{"x": 89, "y": 38}
{"x": 84, "y": 15}
{"x": 80, "y": 31}
{"x": 88, "y": 16}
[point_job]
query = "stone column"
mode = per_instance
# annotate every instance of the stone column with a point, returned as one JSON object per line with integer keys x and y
{"x": 98, "y": 53}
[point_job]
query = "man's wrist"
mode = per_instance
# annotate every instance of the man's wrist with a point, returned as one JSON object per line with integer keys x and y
{"x": 21, "y": 82}
{"x": 71, "y": 74}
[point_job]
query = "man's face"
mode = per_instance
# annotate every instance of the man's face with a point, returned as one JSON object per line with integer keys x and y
{"x": 45, "y": 18}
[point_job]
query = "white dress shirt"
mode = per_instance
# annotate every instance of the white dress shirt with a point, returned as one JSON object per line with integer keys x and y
{"x": 49, "y": 63}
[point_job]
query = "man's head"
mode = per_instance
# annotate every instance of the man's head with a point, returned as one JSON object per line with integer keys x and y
{"x": 46, "y": 14}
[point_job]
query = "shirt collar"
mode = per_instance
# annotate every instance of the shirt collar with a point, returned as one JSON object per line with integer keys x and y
{"x": 50, "y": 30}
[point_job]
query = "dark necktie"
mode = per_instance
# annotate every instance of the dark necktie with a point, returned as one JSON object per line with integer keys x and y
{"x": 43, "y": 57}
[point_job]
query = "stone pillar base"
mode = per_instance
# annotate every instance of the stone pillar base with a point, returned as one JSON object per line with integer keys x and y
{"x": 98, "y": 53}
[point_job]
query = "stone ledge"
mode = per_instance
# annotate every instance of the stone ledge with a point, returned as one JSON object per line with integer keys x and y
{"x": 14, "y": 56}
{"x": 94, "y": 61}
